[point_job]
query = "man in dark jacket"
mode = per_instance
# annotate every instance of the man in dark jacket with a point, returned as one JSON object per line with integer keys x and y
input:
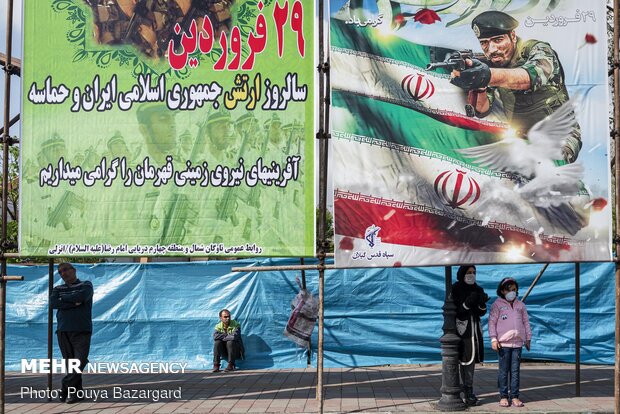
{"x": 74, "y": 301}
{"x": 470, "y": 301}
{"x": 227, "y": 342}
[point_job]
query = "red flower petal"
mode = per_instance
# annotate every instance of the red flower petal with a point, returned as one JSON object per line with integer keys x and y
{"x": 598, "y": 204}
{"x": 399, "y": 20}
{"x": 590, "y": 38}
{"x": 426, "y": 16}
{"x": 346, "y": 244}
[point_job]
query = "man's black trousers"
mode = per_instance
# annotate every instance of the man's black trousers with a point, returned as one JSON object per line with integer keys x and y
{"x": 230, "y": 350}
{"x": 74, "y": 345}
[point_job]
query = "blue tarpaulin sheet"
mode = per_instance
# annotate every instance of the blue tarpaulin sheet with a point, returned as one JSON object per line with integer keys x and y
{"x": 166, "y": 312}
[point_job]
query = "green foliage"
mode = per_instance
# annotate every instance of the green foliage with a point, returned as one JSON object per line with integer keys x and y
{"x": 329, "y": 231}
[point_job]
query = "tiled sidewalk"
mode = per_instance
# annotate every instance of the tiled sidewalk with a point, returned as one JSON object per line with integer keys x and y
{"x": 403, "y": 388}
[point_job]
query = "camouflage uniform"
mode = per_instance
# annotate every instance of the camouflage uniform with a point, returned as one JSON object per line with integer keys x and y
{"x": 110, "y": 20}
{"x": 546, "y": 94}
{"x": 162, "y": 16}
{"x": 114, "y": 26}
{"x": 60, "y": 207}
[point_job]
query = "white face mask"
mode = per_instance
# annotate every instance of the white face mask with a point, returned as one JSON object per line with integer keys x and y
{"x": 470, "y": 278}
{"x": 510, "y": 296}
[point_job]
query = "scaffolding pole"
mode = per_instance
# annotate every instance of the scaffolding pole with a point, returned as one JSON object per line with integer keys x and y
{"x": 616, "y": 135}
{"x": 6, "y": 142}
{"x": 322, "y": 136}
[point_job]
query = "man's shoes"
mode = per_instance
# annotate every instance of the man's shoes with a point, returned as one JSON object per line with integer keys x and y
{"x": 230, "y": 367}
{"x": 216, "y": 368}
{"x": 62, "y": 398}
{"x": 74, "y": 400}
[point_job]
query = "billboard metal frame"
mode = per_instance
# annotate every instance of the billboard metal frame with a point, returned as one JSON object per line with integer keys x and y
{"x": 449, "y": 400}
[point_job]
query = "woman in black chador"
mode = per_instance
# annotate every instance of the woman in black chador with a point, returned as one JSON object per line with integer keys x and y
{"x": 470, "y": 301}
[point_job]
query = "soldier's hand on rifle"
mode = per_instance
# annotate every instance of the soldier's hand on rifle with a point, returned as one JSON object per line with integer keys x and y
{"x": 476, "y": 76}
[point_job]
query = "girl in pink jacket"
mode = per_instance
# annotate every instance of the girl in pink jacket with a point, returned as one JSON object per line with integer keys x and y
{"x": 509, "y": 329}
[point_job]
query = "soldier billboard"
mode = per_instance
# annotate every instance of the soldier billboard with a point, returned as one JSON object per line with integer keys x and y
{"x": 155, "y": 127}
{"x": 470, "y": 134}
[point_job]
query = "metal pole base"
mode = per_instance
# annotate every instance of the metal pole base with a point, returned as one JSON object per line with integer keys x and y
{"x": 450, "y": 385}
{"x": 450, "y": 382}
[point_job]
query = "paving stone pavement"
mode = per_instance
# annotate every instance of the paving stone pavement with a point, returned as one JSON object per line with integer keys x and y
{"x": 548, "y": 388}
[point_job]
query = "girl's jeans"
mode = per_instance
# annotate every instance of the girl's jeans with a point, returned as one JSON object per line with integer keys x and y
{"x": 508, "y": 378}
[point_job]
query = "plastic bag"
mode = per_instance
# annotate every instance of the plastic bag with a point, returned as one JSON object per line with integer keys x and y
{"x": 305, "y": 310}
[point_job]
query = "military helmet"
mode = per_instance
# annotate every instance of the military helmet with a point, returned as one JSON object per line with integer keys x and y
{"x": 53, "y": 142}
{"x": 287, "y": 127}
{"x": 245, "y": 117}
{"x": 219, "y": 116}
{"x": 297, "y": 125}
{"x": 269, "y": 121}
{"x": 117, "y": 137}
{"x": 493, "y": 23}
{"x": 147, "y": 109}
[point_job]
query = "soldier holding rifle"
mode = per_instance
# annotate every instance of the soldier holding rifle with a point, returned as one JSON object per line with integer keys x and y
{"x": 524, "y": 76}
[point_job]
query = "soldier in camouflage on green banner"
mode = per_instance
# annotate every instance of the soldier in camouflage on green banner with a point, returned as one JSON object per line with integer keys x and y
{"x": 219, "y": 137}
{"x": 65, "y": 206}
{"x": 524, "y": 77}
{"x": 216, "y": 211}
{"x": 165, "y": 210}
{"x": 149, "y": 24}
{"x": 186, "y": 142}
{"x": 158, "y": 128}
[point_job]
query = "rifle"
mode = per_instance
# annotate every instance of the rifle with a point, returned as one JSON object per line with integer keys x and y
{"x": 276, "y": 210}
{"x": 197, "y": 9}
{"x": 140, "y": 12}
{"x": 296, "y": 193}
{"x": 289, "y": 141}
{"x": 181, "y": 211}
{"x": 143, "y": 13}
{"x": 226, "y": 206}
{"x": 176, "y": 217}
{"x": 456, "y": 60}
{"x": 254, "y": 196}
{"x": 63, "y": 211}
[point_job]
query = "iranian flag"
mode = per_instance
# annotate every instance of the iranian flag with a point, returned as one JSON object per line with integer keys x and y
{"x": 404, "y": 193}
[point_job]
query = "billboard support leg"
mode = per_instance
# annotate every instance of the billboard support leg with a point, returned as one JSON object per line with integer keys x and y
{"x": 577, "y": 333}
{"x": 50, "y": 321}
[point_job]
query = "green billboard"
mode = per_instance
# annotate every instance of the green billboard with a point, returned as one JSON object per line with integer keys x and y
{"x": 167, "y": 127}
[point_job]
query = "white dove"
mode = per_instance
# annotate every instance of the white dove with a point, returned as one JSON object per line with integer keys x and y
{"x": 550, "y": 186}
